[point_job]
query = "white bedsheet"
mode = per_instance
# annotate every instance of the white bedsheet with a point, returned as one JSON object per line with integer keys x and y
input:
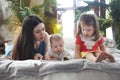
{"x": 56, "y": 70}
{"x": 75, "y": 69}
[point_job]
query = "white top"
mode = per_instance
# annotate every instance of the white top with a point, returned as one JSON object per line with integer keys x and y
{"x": 58, "y": 56}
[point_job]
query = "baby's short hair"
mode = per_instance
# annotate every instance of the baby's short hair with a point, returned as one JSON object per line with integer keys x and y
{"x": 55, "y": 37}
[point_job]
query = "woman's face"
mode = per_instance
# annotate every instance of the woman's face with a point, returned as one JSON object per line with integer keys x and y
{"x": 87, "y": 30}
{"x": 39, "y": 32}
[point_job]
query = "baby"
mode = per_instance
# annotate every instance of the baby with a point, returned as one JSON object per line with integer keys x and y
{"x": 57, "y": 50}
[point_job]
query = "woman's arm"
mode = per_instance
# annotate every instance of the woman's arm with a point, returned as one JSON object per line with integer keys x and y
{"x": 47, "y": 56}
{"x": 47, "y": 42}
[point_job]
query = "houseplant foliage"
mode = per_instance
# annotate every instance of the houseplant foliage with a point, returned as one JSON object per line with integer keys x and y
{"x": 50, "y": 17}
{"x": 21, "y": 9}
{"x": 115, "y": 14}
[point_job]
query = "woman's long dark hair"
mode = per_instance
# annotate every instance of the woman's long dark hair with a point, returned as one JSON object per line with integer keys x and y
{"x": 24, "y": 46}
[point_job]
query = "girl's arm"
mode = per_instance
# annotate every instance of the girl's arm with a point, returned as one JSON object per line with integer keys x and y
{"x": 102, "y": 47}
{"x": 77, "y": 51}
{"x": 101, "y": 50}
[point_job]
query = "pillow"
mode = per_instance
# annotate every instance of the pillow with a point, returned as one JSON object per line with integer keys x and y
{"x": 109, "y": 43}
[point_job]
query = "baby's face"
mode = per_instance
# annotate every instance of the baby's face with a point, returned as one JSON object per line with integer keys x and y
{"x": 57, "y": 46}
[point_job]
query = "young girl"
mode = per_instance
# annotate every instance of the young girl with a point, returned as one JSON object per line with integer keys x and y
{"x": 32, "y": 42}
{"x": 89, "y": 42}
{"x": 57, "y": 50}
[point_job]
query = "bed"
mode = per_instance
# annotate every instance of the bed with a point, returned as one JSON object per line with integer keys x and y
{"x": 74, "y": 69}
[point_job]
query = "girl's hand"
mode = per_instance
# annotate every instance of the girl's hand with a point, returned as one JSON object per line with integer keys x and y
{"x": 104, "y": 52}
{"x": 98, "y": 51}
{"x": 38, "y": 56}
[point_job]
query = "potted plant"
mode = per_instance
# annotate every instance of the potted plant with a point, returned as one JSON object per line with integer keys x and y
{"x": 46, "y": 11}
{"x": 115, "y": 14}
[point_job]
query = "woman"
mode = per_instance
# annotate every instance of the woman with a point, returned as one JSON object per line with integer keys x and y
{"x": 32, "y": 42}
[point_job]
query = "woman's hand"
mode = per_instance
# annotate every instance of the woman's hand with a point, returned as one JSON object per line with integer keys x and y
{"x": 38, "y": 56}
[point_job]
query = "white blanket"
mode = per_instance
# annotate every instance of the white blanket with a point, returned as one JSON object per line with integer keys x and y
{"x": 10, "y": 69}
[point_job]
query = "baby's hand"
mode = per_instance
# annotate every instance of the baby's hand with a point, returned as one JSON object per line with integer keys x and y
{"x": 53, "y": 58}
{"x": 38, "y": 56}
{"x": 66, "y": 58}
{"x": 47, "y": 58}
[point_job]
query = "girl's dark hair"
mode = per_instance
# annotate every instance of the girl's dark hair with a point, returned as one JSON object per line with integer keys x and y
{"x": 89, "y": 19}
{"x": 24, "y": 46}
